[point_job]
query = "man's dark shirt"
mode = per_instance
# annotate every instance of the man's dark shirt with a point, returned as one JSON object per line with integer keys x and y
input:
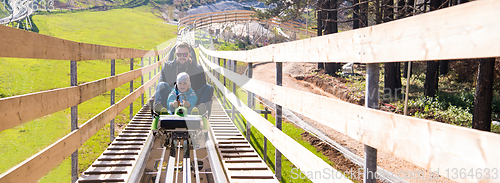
{"x": 195, "y": 71}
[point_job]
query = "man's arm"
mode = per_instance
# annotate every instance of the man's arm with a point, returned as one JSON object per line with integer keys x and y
{"x": 162, "y": 73}
{"x": 167, "y": 74}
{"x": 198, "y": 79}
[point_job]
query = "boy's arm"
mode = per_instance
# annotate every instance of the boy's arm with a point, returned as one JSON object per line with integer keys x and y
{"x": 171, "y": 98}
{"x": 192, "y": 99}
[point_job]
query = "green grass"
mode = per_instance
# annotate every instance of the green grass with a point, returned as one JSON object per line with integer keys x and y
{"x": 131, "y": 28}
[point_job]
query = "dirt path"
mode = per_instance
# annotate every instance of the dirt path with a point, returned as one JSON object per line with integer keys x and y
{"x": 408, "y": 171}
{"x": 267, "y": 72}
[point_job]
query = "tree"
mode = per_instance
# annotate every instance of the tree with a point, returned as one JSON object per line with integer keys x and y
{"x": 432, "y": 76}
{"x": 285, "y": 10}
{"x": 320, "y": 16}
{"x": 360, "y": 14}
{"x": 331, "y": 27}
{"x": 407, "y": 12}
{"x": 431, "y": 79}
{"x": 392, "y": 74}
{"x": 289, "y": 10}
{"x": 481, "y": 119}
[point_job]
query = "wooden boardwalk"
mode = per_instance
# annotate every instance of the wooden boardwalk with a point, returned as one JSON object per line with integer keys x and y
{"x": 240, "y": 161}
{"x": 123, "y": 158}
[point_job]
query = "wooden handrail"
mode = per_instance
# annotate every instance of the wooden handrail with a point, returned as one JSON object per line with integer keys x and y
{"x": 245, "y": 18}
{"x": 238, "y": 15}
{"x": 428, "y": 144}
{"x": 191, "y": 18}
{"x": 18, "y": 43}
{"x": 301, "y": 157}
{"x": 35, "y": 167}
{"x": 20, "y": 109}
{"x": 438, "y": 35}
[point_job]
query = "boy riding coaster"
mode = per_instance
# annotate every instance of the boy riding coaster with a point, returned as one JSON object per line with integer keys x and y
{"x": 182, "y": 95}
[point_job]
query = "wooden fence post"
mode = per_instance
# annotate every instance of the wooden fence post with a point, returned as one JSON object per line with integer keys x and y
{"x": 371, "y": 101}
{"x": 131, "y": 89}
{"x": 154, "y": 85}
{"x": 213, "y": 73}
{"x": 112, "y": 123}
{"x": 149, "y": 59}
{"x": 265, "y": 139}
{"x": 142, "y": 82}
{"x": 249, "y": 102}
{"x": 234, "y": 91}
{"x": 218, "y": 76}
{"x": 74, "y": 122}
{"x": 224, "y": 78}
{"x": 279, "y": 74}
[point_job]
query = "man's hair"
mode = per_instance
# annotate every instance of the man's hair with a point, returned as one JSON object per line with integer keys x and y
{"x": 183, "y": 45}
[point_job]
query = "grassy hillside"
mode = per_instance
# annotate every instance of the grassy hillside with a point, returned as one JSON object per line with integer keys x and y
{"x": 131, "y": 28}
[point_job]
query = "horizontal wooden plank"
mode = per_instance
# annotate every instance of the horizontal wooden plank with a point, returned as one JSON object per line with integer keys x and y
{"x": 228, "y": 134}
{"x": 139, "y": 125}
{"x": 120, "y": 152}
{"x": 428, "y": 144}
{"x": 117, "y": 158}
{"x": 19, "y": 43}
{"x": 246, "y": 160}
{"x": 141, "y": 122}
{"x": 134, "y": 135}
{"x": 248, "y": 168}
{"x": 108, "y": 170}
{"x": 231, "y": 141}
{"x": 464, "y": 31}
{"x": 35, "y": 167}
{"x": 124, "y": 148}
{"x": 105, "y": 172}
{"x": 253, "y": 164}
{"x": 219, "y": 128}
{"x": 239, "y": 155}
{"x": 229, "y": 138}
{"x": 130, "y": 139}
{"x": 110, "y": 164}
{"x": 226, "y": 131}
{"x": 127, "y": 143}
{"x": 236, "y": 150}
{"x": 215, "y": 115}
{"x": 134, "y": 131}
{"x": 233, "y": 145}
{"x": 250, "y": 175}
{"x": 102, "y": 178}
{"x": 20, "y": 109}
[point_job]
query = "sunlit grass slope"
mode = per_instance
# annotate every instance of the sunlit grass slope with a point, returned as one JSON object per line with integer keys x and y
{"x": 131, "y": 28}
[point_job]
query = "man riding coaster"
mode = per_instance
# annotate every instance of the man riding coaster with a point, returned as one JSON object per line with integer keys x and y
{"x": 185, "y": 61}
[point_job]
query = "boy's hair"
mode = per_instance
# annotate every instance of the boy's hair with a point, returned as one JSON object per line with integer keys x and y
{"x": 183, "y": 76}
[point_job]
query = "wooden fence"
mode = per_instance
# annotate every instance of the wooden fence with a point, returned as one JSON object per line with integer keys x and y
{"x": 18, "y": 110}
{"x": 207, "y": 19}
{"x": 465, "y": 31}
